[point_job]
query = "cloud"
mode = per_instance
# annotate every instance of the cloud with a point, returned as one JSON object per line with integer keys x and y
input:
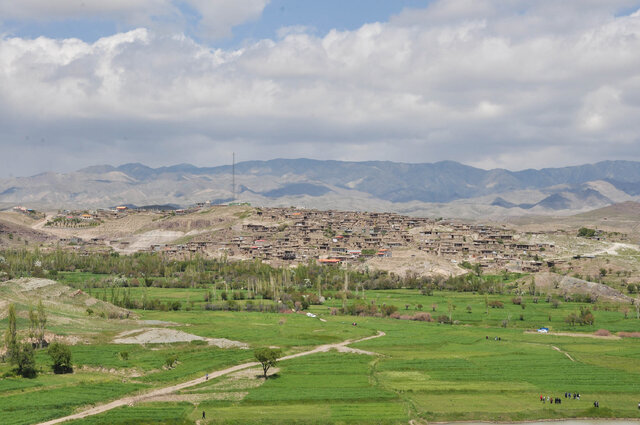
{"x": 214, "y": 18}
{"x": 529, "y": 84}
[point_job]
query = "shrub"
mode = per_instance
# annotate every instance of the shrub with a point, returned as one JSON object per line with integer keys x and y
{"x": 572, "y": 319}
{"x": 388, "y": 310}
{"x": 602, "y": 332}
{"x": 496, "y": 304}
{"x": 443, "y": 319}
{"x": 422, "y": 317}
{"x": 25, "y": 361}
{"x": 61, "y": 356}
{"x": 124, "y": 355}
{"x": 585, "y": 232}
{"x": 629, "y": 334}
{"x": 171, "y": 361}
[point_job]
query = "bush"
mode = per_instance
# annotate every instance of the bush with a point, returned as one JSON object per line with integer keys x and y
{"x": 585, "y": 232}
{"x": 124, "y": 355}
{"x": 496, "y": 304}
{"x": 25, "y": 361}
{"x": 422, "y": 317}
{"x": 443, "y": 319}
{"x": 388, "y": 310}
{"x": 171, "y": 361}
{"x": 61, "y": 356}
{"x": 629, "y": 334}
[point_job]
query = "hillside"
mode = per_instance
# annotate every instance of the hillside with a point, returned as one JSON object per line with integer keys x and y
{"x": 622, "y": 218}
{"x": 445, "y": 188}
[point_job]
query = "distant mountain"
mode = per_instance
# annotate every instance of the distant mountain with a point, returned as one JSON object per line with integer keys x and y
{"x": 444, "y": 188}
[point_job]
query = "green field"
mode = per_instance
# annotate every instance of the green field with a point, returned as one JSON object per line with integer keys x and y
{"x": 420, "y": 370}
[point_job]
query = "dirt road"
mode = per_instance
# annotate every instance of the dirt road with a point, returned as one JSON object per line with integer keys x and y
{"x": 168, "y": 390}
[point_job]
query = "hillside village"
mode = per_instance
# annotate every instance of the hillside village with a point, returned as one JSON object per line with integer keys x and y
{"x": 290, "y": 236}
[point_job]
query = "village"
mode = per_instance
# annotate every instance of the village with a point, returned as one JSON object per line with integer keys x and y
{"x": 291, "y": 236}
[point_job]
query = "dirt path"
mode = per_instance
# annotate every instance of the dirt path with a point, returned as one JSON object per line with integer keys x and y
{"x": 40, "y": 224}
{"x": 563, "y": 352}
{"x": 614, "y": 248}
{"x": 130, "y": 401}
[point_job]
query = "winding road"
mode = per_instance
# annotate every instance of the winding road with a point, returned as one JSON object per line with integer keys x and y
{"x": 128, "y": 401}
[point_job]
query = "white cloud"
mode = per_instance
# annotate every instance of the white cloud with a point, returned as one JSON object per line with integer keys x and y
{"x": 219, "y": 16}
{"x": 216, "y": 17}
{"x": 490, "y": 85}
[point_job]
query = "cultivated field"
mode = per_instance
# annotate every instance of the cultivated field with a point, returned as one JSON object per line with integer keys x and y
{"x": 479, "y": 368}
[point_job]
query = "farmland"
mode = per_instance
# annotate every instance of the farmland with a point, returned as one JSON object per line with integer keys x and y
{"x": 482, "y": 366}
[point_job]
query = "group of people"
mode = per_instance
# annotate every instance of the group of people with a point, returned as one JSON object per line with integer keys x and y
{"x": 558, "y": 400}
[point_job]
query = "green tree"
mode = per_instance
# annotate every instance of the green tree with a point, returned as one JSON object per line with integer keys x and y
{"x": 24, "y": 360}
{"x": 33, "y": 323}
{"x": 42, "y": 323}
{"x": 532, "y": 287}
{"x": 268, "y": 357}
{"x": 10, "y": 336}
{"x": 586, "y": 232}
{"x": 61, "y": 356}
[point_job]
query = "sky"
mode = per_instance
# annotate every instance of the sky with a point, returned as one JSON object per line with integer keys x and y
{"x": 504, "y": 83}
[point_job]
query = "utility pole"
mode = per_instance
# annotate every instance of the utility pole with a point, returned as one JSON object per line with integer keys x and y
{"x": 233, "y": 176}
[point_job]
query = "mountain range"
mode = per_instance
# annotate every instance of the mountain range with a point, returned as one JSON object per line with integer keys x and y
{"x": 443, "y": 188}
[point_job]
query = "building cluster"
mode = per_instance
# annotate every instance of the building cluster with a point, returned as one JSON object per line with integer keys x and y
{"x": 287, "y": 235}
{"x": 334, "y": 237}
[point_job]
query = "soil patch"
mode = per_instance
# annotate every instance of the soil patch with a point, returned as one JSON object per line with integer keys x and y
{"x": 567, "y": 285}
{"x": 576, "y": 334}
{"x": 155, "y": 336}
{"x": 31, "y": 284}
{"x": 168, "y": 336}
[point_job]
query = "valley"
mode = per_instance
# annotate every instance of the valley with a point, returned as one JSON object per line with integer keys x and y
{"x": 163, "y": 309}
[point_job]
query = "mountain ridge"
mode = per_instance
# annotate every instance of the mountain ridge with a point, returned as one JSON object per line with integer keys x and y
{"x": 423, "y": 188}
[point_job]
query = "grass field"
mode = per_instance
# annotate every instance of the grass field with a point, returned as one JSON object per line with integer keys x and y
{"x": 430, "y": 371}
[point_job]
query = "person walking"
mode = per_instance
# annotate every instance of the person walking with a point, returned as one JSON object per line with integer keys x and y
{"x": 203, "y": 415}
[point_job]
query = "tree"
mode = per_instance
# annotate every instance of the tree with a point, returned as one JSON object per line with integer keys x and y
{"x": 61, "y": 356}
{"x": 572, "y": 319}
{"x": 532, "y": 287}
{"x": 25, "y": 361}
{"x": 268, "y": 357}
{"x": 586, "y": 232}
{"x": 10, "y": 336}
{"x": 42, "y": 322}
{"x": 33, "y": 323}
{"x": 586, "y": 317}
